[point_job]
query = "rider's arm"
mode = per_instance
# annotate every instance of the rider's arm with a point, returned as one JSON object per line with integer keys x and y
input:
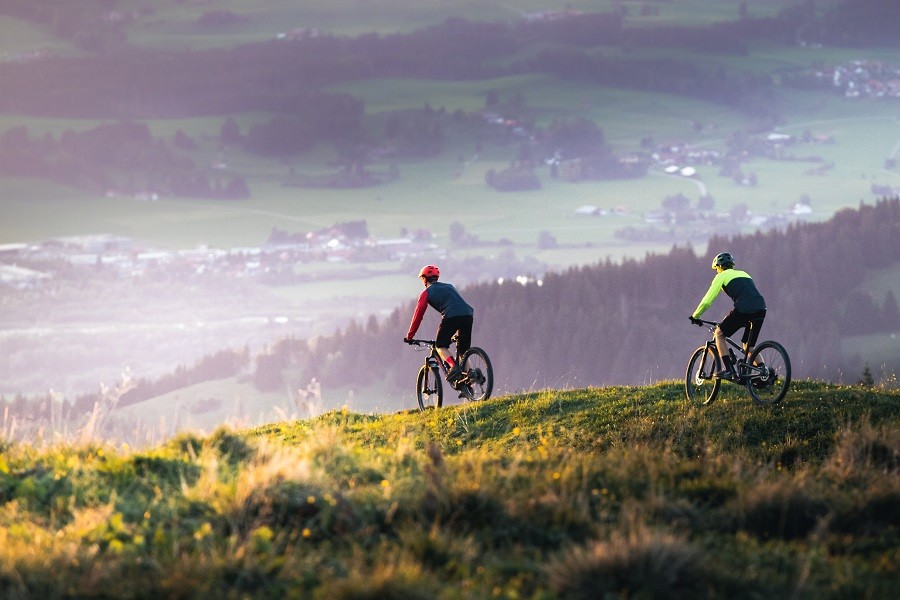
{"x": 711, "y": 294}
{"x": 418, "y": 314}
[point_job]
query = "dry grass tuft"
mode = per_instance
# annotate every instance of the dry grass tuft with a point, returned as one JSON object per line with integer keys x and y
{"x": 639, "y": 563}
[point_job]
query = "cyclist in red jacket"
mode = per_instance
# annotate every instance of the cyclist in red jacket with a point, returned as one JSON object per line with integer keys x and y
{"x": 749, "y": 310}
{"x": 456, "y": 317}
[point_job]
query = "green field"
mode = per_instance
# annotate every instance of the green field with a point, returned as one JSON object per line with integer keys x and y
{"x": 434, "y": 193}
{"x": 175, "y": 25}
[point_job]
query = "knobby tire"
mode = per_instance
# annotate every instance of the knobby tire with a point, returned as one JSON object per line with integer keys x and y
{"x": 772, "y": 389}
{"x": 477, "y": 382}
{"x": 699, "y": 385}
{"x": 429, "y": 391}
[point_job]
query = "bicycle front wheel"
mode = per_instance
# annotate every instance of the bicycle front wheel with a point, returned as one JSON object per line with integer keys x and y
{"x": 477, "y": 380}
{"x": 700, "y": 387}
{"x": 770, "y": 386}
{"x": 429, "y": 391}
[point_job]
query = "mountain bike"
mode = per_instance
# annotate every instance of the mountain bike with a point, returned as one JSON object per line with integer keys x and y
{"x": 475, "y": 382}
{"x": 766, "y": 372}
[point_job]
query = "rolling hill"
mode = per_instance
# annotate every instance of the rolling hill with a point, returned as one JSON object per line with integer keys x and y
{"x": 623, "y": 492}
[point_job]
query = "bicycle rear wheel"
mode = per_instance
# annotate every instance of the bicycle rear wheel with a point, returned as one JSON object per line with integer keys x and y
{"x": 429, "y": 391}
{"x": 477, "y": 380}
{"x": 700, "y": 386}
{"x": 771, "y": 386}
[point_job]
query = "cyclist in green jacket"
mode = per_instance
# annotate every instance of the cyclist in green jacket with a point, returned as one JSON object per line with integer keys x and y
{"x": 749, "y": 310}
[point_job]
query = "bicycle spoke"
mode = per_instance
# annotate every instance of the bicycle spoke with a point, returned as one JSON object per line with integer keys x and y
{"x": 700, "y": 387}
{"x": 477, "y": 380}
{"x": 769, "y": 384}
{"x": 429, "y": 391}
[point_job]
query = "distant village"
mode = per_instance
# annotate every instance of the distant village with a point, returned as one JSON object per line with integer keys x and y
{"x": 30, "y": 265}
{"x": 862, "y": 79}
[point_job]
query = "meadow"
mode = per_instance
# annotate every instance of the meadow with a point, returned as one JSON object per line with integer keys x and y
{"x": 617, "y": 492}
{"x": 175, "y": 26}
{"x": 432, "y": 193}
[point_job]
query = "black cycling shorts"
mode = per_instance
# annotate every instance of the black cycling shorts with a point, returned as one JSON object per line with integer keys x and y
{"x": 451, "y": 325}
{"x": 751, "y": 321}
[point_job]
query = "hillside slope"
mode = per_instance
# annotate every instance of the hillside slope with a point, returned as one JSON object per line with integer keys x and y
{"x": 625, "y": 491}
{"x": 627, "y": 323}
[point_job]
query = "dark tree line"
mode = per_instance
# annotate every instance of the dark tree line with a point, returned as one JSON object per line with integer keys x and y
{"x": 125, "y": 156}
{"x": 219, "y": 365}
{"x": 279, "y": 76}
{"x": 120, "y": 156}
{"x": 605, "y": 324}
{"x": 628, "y": 323}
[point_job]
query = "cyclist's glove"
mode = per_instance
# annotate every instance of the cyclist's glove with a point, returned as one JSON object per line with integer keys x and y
{"x": 408, "y": 341}
{"x": 695, "y": 321}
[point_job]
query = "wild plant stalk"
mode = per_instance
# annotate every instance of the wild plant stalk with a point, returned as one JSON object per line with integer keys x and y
{"x": 98, "y": 420}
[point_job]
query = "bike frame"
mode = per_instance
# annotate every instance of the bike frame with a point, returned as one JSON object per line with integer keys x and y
{"x": 744, "y": 370}
{"x": 433, "y": 358}
{"x": 767, "y": 382}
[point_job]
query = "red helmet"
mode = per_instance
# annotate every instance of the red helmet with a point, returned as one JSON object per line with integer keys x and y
{"x": 430, "y": 271}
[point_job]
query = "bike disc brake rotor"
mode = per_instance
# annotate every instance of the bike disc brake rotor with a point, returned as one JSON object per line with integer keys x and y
{"x": 699, "y": 379}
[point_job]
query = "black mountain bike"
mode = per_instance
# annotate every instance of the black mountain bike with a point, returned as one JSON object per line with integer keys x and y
{"x": 475, "y": 382}
{"x": 766, "y": 372}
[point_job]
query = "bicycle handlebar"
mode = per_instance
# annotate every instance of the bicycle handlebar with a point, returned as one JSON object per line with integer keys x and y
{"x": 420, "y": 342}
{"x": 701, "y": 323}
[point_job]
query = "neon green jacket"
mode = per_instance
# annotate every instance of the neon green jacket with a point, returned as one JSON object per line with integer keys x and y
{"x": 739, "y": 287}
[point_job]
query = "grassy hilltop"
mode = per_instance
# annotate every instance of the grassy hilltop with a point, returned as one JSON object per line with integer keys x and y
{"x": 613, "y": 492}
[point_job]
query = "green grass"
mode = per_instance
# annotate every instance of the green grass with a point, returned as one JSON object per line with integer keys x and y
{"x": 623, "y": 491}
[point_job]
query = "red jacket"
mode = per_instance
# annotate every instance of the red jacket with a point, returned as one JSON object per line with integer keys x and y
{"x": 444, "y": 298}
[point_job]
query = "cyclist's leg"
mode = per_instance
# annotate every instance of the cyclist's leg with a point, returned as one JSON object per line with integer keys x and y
{"x": 728, "y": 327}
{"x": 442, "y": 341}
{"x": 464, "y": 338}
{"x": 445, "y": 332}
{"x": 721, "y": 344}
{"x": 751, "y": 332}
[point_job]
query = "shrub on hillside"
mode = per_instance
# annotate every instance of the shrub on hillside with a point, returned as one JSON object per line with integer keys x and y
{"x": 783, "y": 508}
{"x": 636, "y": 565}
